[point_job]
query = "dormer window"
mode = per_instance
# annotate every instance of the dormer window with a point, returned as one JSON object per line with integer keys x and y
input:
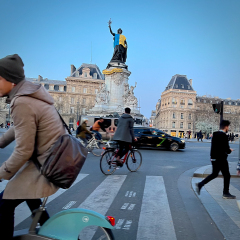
{"x": 176, "y": 85}
{"x": 85, "y": 74}
{"x": 95, "y": 75}
{"x": 182, "y": 85}
{"x": 188, "y": 87}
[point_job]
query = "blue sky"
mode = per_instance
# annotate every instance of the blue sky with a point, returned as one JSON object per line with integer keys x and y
{"x": 197, "y": 38}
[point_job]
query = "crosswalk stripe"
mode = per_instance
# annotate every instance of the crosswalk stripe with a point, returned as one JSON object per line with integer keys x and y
{"x": 155, "y": 217}
{"x": 22, "y": 211}
{"x": 101, "y": 199}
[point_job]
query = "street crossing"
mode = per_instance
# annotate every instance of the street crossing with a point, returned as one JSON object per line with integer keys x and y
{"x": 154, "y": 220}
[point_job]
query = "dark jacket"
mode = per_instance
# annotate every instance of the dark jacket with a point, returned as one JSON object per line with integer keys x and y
{"x": 124, "y": 129}
{"x": 220, "y": 146}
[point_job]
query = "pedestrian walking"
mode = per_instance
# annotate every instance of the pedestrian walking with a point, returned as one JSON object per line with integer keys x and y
{"x": 219, "y": 153}
{"x": 124, "y": 134}
{"x": 36, "y": 127}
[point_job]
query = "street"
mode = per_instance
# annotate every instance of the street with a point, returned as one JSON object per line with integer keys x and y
{"x": 156, "y": 202}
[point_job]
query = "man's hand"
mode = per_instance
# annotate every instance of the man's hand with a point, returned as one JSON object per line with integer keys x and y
{"x": 231, "y": 149}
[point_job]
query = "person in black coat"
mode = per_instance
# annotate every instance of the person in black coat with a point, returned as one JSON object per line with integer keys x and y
{"x": 219, "y": 153}
{"x": 124, "y": 134}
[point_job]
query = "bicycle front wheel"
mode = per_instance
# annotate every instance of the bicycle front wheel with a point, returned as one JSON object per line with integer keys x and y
{"x": 100, "y": 233}
{"x": 134, "y": 160}
{"x": 97, "y": 149}
{"x": 106, "y": 162}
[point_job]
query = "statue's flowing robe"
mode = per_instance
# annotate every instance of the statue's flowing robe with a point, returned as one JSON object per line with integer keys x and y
{"x": 120, "y": 49}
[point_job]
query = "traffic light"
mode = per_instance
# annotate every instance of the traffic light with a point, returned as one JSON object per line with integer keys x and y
{"x": 217, "y": 108}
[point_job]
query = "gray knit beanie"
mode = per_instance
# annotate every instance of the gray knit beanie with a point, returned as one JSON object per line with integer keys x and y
{"x": 11, "y": 68}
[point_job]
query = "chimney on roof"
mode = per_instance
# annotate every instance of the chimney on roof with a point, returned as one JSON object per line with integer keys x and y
{"x": 73, "y": 69}
{"x": 40, "y": 78}
{"x": 190, "y": 81}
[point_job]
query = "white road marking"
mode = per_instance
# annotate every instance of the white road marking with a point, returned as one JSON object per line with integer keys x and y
{"x": 101, "y": 199}
{"x": 126, "y": 193}
{"x": 119, "y": 223}
{"x": 155, "y": 217}
{"x": 131, "y": 207}
{"x": 130, "y": 194}
{"x": 125, "y": 205}
{"x": 127, "y": 225}
{"x": 22, "y": 211}
{"x": 70, "y": 204}
{"x": 134, "y": 194}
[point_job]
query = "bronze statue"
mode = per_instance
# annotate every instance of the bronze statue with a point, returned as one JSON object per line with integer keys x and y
{"x": 120, "y": 45}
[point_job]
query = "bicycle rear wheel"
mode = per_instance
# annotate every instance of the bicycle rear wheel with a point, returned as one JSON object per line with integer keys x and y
{"x": 106, "y": 162}
{"x": 134, "y": 160}
{"x": 97, "y": 148}
{"x": 100, "y": 233}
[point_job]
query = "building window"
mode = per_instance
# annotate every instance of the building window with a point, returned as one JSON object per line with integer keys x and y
{"x": 72, "y": 100}
{"x": 204, "y": 101}
{"x": 182, "y": 102}
{"x": 56, "y": 87}
{"x": 51, "y": 87}
{"x": 174, "y": 101}
{"x": 65, "y": 88}
{"x": 46, "y": 86}
{"x": 61, "y": 88}
{"x": 182, "y": 85}
{"x": 173, "y": 115}
{"x": 176, "y": 85}
{"x": 84, "y": 100}
{"x": 173, "y": 124}
{"x": 71, "y": 122}
{"x": 85, "y": 90}
{"x": 95, "y": 75}
{"x": 73, "y": 89}
{"x": 96, "y": 91}
{"x": 188, "y": 87}
{"x": 72, "y": 110}
{"x": 229, "y": 103}
{"x": 181, "y": 115}
{"x": 85, "y": 74}
{"x": 189, "y": 116}
{"x": 181, "y": 124}
{"x": 190, "y": 101}
{"x": 189, "y": 126}
{"x": 77, "y": 74}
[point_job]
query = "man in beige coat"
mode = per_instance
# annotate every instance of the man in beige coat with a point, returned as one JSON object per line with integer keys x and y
{"x": 37, "y": 126}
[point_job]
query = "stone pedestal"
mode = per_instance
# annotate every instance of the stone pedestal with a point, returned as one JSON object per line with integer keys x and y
{"x": 115, "y": 95}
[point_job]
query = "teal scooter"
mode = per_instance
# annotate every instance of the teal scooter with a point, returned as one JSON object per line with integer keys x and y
{"x": 71, "y": 224}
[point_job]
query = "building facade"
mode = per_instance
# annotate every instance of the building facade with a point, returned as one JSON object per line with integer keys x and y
{"x": 180, "y": 112}
{"x": 73, "y": 97}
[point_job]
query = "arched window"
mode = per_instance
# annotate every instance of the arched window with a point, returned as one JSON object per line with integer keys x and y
{"x": 46, "y": 86}
{"x": 190, "y": 101}
{"x": 173, "y": 124}
{"x": 174, "y": 101}
{"x": 182, "y": 102}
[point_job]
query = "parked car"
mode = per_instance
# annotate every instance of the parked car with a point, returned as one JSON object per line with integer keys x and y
{"x": 155, "y": 138}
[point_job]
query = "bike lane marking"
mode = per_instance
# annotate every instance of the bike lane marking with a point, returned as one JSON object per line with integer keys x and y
{"x": 155, "y": 216}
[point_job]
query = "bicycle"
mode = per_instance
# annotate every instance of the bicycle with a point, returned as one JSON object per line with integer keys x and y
{"x": 108, "y": 166}
{"x": 68, "y": 225}
{"x": 94, "y": 146}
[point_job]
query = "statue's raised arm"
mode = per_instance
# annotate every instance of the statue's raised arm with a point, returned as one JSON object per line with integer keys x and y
{"x": 109, "y": 25}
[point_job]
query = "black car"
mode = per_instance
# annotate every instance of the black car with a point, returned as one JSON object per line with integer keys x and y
{"x": 155, "y": 138}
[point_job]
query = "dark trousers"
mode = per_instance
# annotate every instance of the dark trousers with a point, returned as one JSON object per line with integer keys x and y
{"x": 217, "y": 166}
{"x": 7, "y": 208}
{"x": 123, "y": 148}
{"x": 98, "y": 135}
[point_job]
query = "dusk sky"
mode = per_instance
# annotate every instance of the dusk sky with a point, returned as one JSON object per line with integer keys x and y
{"x": 200, "y": 39}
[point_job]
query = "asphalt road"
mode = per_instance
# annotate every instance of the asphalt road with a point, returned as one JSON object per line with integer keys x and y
{"x": 163, "y": 173}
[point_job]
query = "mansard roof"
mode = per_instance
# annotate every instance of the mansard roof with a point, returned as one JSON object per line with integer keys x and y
{"x": 93, "y": 69}
{"x": 46, "y": 81}
{"x": 179, "y": 82}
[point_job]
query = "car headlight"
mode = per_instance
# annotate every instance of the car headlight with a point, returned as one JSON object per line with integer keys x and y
{"x": 182, "y": 141}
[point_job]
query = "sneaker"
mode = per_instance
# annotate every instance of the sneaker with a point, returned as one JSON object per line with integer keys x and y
{"x": 198, "y": 188}
{"x": 228, "y": 196}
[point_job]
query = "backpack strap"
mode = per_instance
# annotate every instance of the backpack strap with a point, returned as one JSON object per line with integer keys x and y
{"x": 64, "y": 124}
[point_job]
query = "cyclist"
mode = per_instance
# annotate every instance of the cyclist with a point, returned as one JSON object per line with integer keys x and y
{"x": 96, "y": 127}
{"x": 37, "y": 126}
{"x": 124, "y": 134}
{"x": 82, "y": 131}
